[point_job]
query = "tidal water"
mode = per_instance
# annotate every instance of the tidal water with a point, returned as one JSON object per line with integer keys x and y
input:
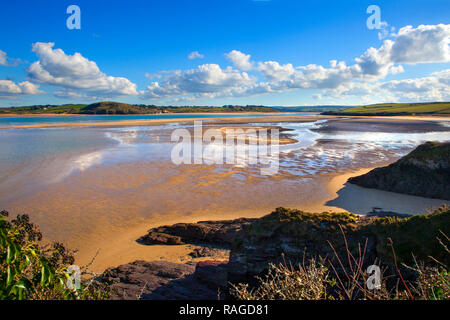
{"x": 31, "y": 120}
{"x": 33, "y": 158}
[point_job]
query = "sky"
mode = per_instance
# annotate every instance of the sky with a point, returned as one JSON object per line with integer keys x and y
{"x": 222, "y": 52}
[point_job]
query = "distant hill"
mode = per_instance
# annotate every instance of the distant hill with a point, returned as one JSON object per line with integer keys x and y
{"x": 396, "y": 109}
{"x": 124, "y": 108}
{"x": 117, "y": 108}
{"x": 42, "y": 109}
{"x": 424, "y": 172}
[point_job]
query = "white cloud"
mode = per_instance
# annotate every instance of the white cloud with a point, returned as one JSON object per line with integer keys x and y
{"x": 75, "y": 73}
{"x": 435, "y": 87}
{"x": 204, "y": 80}
{"x": 7, "y": 61}
{"x": 240, "y": 60}
{"x": 424, "y": 44}
{"x": 10, "y": 89}
{"x": 195, "y": 55}
{"x": 273, "y": 71}
{"x": 3, "y": 58}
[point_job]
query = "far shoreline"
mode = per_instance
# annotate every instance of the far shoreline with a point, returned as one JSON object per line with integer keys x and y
{"x": 12, "y": 115}
{"x": 262, "y": 118}
{"x": 144, "y": 122}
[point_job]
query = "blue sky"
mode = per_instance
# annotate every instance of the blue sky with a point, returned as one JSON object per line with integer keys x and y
{"x": 249, "y": 52}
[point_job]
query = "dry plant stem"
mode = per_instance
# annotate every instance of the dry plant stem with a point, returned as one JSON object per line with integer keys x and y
{"x": 396, "y": 268}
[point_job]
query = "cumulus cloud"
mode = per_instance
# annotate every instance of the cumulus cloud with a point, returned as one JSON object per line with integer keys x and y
{"x": 195, "y": 55}
{"x": 435, "y": 87}
{"x": 424, "y": 44}
{"x": 3, "y": 58}
{"x": 7, "y": 61}
{"x": 273, "y": 71}
{"x": 206, "y": 79}
{"x": 240, "y": 60}
{"x": 74, "y": 73}
{"x": 10, "y": 89}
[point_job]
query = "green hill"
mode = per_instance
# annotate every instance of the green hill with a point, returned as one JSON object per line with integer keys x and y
{"x": 117, "y": 108}
{"x": 42, "y": 109}
{"x": 396, "y": 109}
{"x": 110, "y": 107}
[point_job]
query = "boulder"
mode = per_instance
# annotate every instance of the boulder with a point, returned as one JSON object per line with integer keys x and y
{"x": 221, "y": 233}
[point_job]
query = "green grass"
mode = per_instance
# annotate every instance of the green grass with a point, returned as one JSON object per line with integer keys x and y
{"x": 113, "y": 108}
{"x": 388, "y": 109}
{"x": 418, "y": 235}
{"x": 43, "y": 109}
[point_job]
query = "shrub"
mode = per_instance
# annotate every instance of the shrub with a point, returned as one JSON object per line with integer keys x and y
{"x": 29, "y": 270}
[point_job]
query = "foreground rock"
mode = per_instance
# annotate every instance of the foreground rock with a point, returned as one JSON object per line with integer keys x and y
{"x": 162, "y": 280}
{"x": 285, "y": 236}
{"x": 293, "y": 237}
{"x": 424, "y": 172}
{"x": 221, "y": 233}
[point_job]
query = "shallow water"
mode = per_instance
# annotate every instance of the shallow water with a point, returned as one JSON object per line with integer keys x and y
{"x": 32, "y": 120}
{"x": 87, "y": 186}
{"x": 31, "y": 158}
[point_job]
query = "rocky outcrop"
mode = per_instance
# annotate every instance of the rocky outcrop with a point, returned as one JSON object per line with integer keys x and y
{"x": 424, "y": 172}
{"x": 221, "y": 233}
{"x": 293, "y": 237}
{"x": 285, "y": 236}
{"x": 162, "y": 280}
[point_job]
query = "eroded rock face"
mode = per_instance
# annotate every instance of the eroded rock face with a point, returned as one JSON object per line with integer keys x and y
{"x": 424, "y": 172}
{"x": 162, "y": 280}
{"x": 211, "y": 232}
{"x": 285, "y": 236}
{"x": 293, "y": 237}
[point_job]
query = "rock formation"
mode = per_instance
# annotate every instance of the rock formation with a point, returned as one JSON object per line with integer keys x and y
{"x": 424, "y": 172}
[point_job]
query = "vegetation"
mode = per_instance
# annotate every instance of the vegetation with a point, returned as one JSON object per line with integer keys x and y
{"x": 416, "y": 237}
{"x": 413, "y": 259}
{"x": 113, "y": 108}
{"x": 412, "y": 254}
{"x": 396, "y": 109}
{"x": 44, "y": 109}
{"x": 315, "y": 281}
{"x": 31, "y": 271}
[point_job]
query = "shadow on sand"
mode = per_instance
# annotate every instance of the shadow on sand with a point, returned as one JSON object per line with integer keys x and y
{"x": 362, "y": 201}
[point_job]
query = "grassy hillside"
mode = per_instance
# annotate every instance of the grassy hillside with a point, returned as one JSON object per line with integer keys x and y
{"x": 41, "y": 109}
{"x": 393, "y": 109}
{"x": 117, "y": 108}
{"x": 124, "y": 108}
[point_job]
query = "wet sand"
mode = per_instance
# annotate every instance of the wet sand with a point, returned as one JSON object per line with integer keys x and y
{"x": 108, "y": 210}
{"x": 107, "y": 207}
{"x": 99, "y": 211}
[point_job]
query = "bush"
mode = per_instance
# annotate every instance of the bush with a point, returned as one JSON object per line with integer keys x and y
{"x": 32, "y": 271}
{"x": 347, "y": 281}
